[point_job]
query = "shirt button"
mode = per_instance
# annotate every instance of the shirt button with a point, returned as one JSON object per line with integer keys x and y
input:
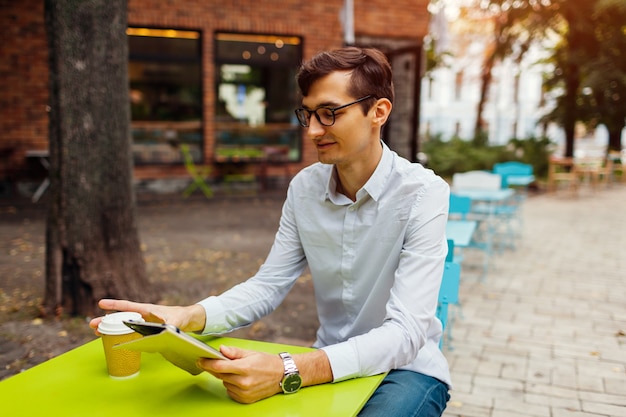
{"x": 351, "y": 208}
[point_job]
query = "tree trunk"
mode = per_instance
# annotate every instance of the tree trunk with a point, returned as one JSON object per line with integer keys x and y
{"x": 92, "y": 241}
{"x": 570, "y": 107}
{"x": 615, "y": 139}
{"x": 485, "y": 83}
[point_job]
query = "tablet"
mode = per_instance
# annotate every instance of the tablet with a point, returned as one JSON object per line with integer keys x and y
{"x": 178, "y": 347}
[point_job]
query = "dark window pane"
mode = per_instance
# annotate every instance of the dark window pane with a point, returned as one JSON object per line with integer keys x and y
{"x": 165, "y": 94}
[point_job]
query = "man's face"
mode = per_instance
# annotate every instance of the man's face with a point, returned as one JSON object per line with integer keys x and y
{"x": 353, "y": 135}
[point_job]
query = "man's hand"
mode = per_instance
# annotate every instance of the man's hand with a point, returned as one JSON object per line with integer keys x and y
{"x": 250, "y": 376}
{"x": 190, "y": 318}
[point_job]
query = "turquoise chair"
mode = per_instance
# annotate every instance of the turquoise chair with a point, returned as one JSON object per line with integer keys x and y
{"x": 450, "y": 255}
{"x": 461, "y": 208}
{"x": 516, "y": 175}
{"x": 448, "y": 294}
{"x": 511, "y": 169}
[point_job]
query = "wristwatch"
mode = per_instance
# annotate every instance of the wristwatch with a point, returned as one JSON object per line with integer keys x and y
{"x": 291, "y": 380}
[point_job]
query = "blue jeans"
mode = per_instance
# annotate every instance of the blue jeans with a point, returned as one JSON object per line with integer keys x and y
{"x": 407, "y": 394}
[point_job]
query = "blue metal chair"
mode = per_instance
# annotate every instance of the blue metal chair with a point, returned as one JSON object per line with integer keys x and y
{"x": 514, "y": 173}
{"x": 450, "y": 255}
{"x": 448, "y": 294}
{"x": 461, "y": 208}
{"x": 498, "y": 215}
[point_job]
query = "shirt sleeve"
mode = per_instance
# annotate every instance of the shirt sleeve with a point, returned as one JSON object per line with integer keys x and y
{"x": 261, "y": 294}
{"x": 409, "y": 327}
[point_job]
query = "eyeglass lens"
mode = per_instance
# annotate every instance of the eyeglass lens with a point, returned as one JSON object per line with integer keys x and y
{"x": 324, "y": 115}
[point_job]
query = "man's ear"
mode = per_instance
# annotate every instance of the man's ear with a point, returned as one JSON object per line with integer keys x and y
{"x": 382, "y": 109}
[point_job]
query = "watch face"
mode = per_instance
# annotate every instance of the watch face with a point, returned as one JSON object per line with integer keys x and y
{"x": 292, "y": 383}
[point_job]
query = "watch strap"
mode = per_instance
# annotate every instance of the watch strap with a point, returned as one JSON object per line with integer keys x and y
{"x": 288, "y": 363}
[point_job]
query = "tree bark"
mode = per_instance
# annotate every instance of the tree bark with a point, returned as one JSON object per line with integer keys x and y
{"x": 615, "y": 139}
{"x": 92, "y": 242}
{"x": 485, "y": 83}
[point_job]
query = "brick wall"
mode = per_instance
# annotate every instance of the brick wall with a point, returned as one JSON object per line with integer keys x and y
{"x": 23, "y": 82}
{"x": 23, "y": 57}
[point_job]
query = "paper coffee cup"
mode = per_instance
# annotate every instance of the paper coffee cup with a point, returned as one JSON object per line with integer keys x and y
{"x": 121, "y": 363}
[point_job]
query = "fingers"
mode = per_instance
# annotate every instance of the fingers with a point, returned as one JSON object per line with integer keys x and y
{"x": 94, "y": 323}
{"x": 153, "y": 317}
{"x": 118, "y": 305}
{"x": 232, "y": 352}
{"x": 218, "y": 367}
{"x": 124, "y": 305}
{"x": 249, "y": 376}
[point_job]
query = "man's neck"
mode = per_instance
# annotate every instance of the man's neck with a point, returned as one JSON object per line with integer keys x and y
{"x": 352, "y": 177}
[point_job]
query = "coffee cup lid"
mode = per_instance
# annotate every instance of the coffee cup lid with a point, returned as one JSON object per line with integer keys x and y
{"x": 113, "y": 323}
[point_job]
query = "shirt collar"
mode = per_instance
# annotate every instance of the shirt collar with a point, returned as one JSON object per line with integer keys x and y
{"x": 374, "y": 185}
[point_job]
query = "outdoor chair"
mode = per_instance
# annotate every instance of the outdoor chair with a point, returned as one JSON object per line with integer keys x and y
{"x": 448, "y": 294}
{"x": 460, "y": 208}
{"x": 450, "y": 255}
{"x": 476, "y": 180}
{"x": 594, "y": 170}
{"x": 510, "y": 170}
{"x": 563, "y": 171}
{"x": 198, "y": 173}
{"x": 500, "y": 217}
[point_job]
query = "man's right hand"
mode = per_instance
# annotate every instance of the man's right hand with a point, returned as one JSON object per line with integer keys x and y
{"x": 190, "y": 318}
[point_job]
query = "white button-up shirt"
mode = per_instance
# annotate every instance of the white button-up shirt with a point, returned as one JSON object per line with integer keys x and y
{"x": 376, "y": 265}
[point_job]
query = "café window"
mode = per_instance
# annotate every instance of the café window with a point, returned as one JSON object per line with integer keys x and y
{"x": 165, "y": 94}
{"x": 256, "y": 95}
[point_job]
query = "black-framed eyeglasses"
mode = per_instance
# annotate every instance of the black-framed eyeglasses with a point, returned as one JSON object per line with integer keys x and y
{"x": 324, "y": 115}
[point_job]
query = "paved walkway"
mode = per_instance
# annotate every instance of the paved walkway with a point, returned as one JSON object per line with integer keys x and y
{"x": 545, "y": 334}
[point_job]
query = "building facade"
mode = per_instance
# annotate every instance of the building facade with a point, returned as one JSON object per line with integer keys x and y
{"x": 215, "y": 76}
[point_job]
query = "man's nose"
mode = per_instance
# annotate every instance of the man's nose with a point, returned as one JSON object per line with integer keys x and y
{"x": 315, "y": 128}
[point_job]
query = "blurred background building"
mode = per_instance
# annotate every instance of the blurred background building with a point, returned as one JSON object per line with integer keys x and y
{"x": 215, "y": 76}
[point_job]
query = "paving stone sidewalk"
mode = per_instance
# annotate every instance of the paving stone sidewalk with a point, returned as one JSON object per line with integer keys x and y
{"x": 545, "y": 334}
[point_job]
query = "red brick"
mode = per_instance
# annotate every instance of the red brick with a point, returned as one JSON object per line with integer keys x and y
{"x": 24, "y": 55}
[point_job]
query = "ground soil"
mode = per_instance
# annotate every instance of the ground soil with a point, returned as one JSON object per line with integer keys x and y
{"x": 193, "y": 248}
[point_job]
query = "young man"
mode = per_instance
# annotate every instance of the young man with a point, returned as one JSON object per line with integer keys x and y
{"x": 371, "y": 227}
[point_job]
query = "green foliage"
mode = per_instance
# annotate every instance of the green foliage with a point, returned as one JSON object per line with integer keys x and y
{"x": 458, "y": 155}
{"x": 534, "y": 151}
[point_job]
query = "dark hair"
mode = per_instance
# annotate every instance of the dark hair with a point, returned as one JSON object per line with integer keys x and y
{"x": 371, "y": 72}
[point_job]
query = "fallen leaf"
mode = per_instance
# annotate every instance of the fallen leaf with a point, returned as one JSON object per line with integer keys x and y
{"x": 595, "y": 353}
{"x": 62, "y": 333}
{"x": 37, "y": 322}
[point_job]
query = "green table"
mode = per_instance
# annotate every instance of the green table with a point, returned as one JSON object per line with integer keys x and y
{"x": 77, "y": 384}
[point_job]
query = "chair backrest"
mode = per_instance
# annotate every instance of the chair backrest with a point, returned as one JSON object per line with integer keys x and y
{"x": 460, "y": 206}
{"x": 449, "y": 291}
{"x": 511, "y": 168}
{"x": 476, "y": 180}
{"x": 450, "y": 255}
